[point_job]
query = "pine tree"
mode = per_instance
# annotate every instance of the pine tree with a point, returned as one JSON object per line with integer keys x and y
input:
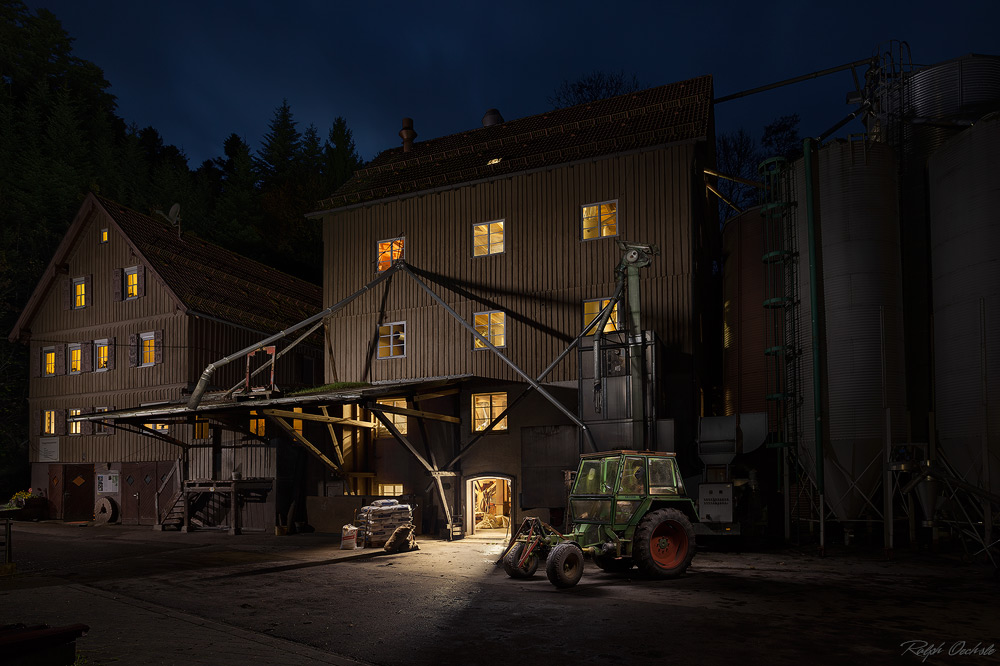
{"x": 340, "y": 156}
{"x": 282, "y": 147}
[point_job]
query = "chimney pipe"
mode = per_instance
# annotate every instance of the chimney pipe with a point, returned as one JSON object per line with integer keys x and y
{"x": 407, "y": 134}
{"x": 492, "y": 117}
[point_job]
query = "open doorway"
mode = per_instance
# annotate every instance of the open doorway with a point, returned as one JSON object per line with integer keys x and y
{"x": 489, "y": 506}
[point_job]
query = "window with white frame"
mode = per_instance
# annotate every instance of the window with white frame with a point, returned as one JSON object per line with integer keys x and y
{"x": 392, "y": 340}
{"x": 131, "y": 283}
{"x": 389, "y": 250}
{"x": 147, "y": 349}
{"x": 390, "y": 489}
{"x": 101, "y": 354}
{"x": 486, "y": 407}
{"x": 48, "y": 361}
{"x": 599, "y": 220}
{"x": 49, "y": 422}
{"x": 79, "y": 293}
{"x": 99, "y": 427}
{"x": 487, "y": 238}
{"x": 398, "y": 420}
{"x": 74, "y": 426}
{"x": 75, "y": 357}
{"x": 591, "y": 309}
{"x": 491, "y": 325}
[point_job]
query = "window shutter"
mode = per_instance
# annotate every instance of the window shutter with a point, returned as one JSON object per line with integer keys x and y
{"x": 111, "y": 353}
{"x": 60, "y": 421}
{"x": 87, "y": 356}
{"x": 87, "y": 427}
{"x": 89, "y": 295}
{"x": 67, "y": 294}
{"x": 36, "y": 367}
{"x": 60, "y": 359}
{"x": 35, "y": 429}
{"x": 116, "y": 284}
{"x": 133, "y": 350}
{"x": 157, "y": 346}
{"x": 140, "y": 278}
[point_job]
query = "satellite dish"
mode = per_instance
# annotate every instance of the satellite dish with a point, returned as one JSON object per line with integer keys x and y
{"x": 174, "y": 213}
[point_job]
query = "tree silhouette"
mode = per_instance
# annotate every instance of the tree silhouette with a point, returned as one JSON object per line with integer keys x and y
{"x": 592, "y": 87}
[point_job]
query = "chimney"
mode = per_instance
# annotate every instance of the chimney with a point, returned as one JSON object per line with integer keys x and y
{"x": 407, "y": 134}
{"x": 492, "y": 117}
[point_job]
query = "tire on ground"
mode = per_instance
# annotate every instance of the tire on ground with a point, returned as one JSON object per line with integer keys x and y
{"x": 664, "y": 543}
{"x": 565, "y": 565}
{"x": 512, "y": 558}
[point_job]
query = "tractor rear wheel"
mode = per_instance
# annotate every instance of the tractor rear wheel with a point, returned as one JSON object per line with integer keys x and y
{"x": 664, "y": 543}
{"x": 565, "y": 565}
{"x": 513, "y": 557}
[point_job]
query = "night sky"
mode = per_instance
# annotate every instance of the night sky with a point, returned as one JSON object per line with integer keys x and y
{"x": 199, "y": 71}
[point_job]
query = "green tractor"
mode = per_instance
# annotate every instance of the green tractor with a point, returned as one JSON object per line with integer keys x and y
{"x": 627, "y": 508}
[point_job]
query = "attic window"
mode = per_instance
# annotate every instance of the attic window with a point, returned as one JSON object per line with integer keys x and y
{"x": 495, "y": 160}
{"x": 389, "y": 251}
{"x": 104, "y": 236}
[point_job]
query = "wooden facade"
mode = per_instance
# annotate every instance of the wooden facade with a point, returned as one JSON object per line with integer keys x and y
{"x": 101, "y": 247}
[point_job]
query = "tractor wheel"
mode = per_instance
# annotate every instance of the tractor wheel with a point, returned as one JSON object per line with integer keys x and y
{"x": 565, "y": 565}
{"x": 513, "y": 556}
{"x": 606, "y": 561}
{"x": 664, "y": 543}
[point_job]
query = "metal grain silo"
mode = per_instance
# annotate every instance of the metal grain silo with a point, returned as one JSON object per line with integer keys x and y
{"x": 964, "y": 177}
{"x": 744, "y": 380}
{"x": 860, "y": 282}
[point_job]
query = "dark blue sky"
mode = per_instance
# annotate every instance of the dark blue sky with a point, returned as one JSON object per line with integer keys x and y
{"x": 199, "y": 71}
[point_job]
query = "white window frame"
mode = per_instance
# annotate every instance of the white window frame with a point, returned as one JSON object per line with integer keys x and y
{"x": 487, "y": 330}
{"x": 141, "y": 352}
{"x": 49, "y": 426}
{"x": 491, "y": 246}
{"x": 614, "y": 321}
{"x": 45, "y": 361}
{"x": 478, "y": 424}
{"x": 391, "y": 251}
{"x": 398, "y": 420}
{"x": 131, "y": 270}
{"x": 75, "y": 295}
{"x": 388, "y": 332}
{"x": 600, "y": 224}
{"x": 99, "y": 427}
{"x": 106, "y": 343}
{"x": 70, "y": 348}
{"x": 73, "y": 427}
{"x": 390, "y": 489}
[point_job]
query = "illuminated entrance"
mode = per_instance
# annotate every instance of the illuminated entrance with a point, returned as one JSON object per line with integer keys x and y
{"x": 488, "y": 506}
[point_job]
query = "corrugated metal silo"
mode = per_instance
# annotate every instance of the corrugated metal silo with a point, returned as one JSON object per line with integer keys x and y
{"x": 744, "y": 380}
{"x": 964, "y": 180}
{"x": 865, "y": 369}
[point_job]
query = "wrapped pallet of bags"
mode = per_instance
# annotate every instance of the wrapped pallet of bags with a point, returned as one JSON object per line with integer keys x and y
{"x": 380, "y": 519}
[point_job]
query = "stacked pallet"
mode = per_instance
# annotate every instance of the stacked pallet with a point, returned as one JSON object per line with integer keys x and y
{"x": 377, "y": 521}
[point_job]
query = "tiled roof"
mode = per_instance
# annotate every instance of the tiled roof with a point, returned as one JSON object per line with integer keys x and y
{"x": 652, "y": 117}
{"x": 214, "y": 281}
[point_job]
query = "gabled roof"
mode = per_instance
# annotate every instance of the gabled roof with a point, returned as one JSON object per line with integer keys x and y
{"x": 203, "y": 278}
{"x": 667, "y": 114}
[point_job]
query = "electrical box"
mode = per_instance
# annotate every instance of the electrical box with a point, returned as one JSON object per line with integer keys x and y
{"x": 715, "y": 502}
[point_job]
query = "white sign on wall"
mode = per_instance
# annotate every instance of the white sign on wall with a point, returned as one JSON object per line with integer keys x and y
{"x": 107, "y": 482}
{"x": 48, "y": 449}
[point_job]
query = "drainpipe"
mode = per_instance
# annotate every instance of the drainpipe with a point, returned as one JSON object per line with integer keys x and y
{"x": 809, "y": 157}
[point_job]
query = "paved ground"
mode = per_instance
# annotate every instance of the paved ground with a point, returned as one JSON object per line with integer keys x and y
{"x": 210, "y": 598}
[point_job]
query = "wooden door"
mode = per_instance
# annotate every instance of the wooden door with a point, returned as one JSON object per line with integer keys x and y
{"x": 139, "y": 482}
{"x": 56, "y": 491}
{"x": 78, "y": 492}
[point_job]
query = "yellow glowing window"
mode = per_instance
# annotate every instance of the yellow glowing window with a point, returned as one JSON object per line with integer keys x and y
{"x": 389, "y": 251}
{"x": 398, "y": 420}
{"x": 492, "y": 326}
{"x": 256, "y": 425}
{"x": 104, "y": 235}
{"x": 390, "y": 489}
{"x": 100, "y": 355}
{"x": 50, "y": 361}
{"x": 487, "y": 238}
{"x": 49, "y": 427}
{"x": 74, "y": 426}
{"x": 157, "y": 426}
{"x": 297, "y": 423}
{"x": 727, "y": 330}
{"x": 75, "y": 359}
{"x": 99, "y": 427}
{"x": 600, "y": 220}
{"x": 79, "y": 293}
{"x": 392, "y": 340}
{"x": 148, "y": 348}
{"x": 591, "y": 309}
{"x": 486, "y": 407}
{"x": 201, "y": 428}
{"x": 131, "y": 282}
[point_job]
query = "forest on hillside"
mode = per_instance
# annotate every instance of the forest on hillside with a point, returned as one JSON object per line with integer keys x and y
{"x": 60, "y": 138}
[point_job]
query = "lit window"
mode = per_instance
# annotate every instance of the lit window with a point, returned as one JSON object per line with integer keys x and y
{"x": 487, "y": 238}
{"x": 492, "y": 326}
{"x": 79, "y": 293}
{"x": 297, "y": 423}
{"x": 147, "y": 349}
{"x": 390, "y": 489}
{"x": 99, "y": 427}
{"x": 75, "y": 359}
{"x": 104, "y": 235}
{"x": 486, "y": 407}
{"x": 74, "y": 426}
{"x": 600, "y": 220}
{"x": 398, "y": 420}
{"x": 389, "y": 250}
{"x": 256, "y": 424}
{"x": 593, "y": 308}
{"x": 162, "y": 427}
{"x": 49, "y": 361}
{"x": 201, "y": 428}
{"x": 132, "y": 283}
{"x": 49, "y": 422}
{"x": 100, "y": 355}
{"x": 392, "y": 340}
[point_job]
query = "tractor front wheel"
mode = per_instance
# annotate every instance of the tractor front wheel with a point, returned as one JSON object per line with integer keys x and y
{"x": 565, "y": 565}
{"x": 511, "y": 562}
{"x": 664, "y": 543}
